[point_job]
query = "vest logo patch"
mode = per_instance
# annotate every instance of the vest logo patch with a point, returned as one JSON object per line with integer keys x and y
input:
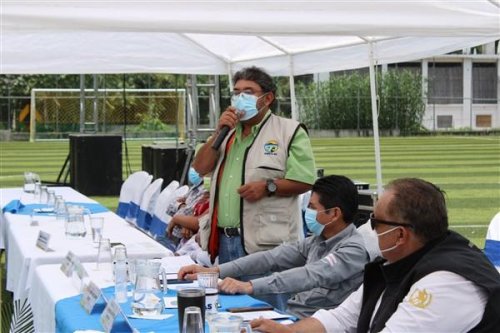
{"x": 420, "y": 299}
{"x": 271, "y": 147}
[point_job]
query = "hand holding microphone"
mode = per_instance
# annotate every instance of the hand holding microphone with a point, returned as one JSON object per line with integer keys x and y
{"x": 227, "y": 121}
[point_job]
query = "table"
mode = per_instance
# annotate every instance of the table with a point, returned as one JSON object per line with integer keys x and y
{"x": 54, "y": 300}
{"x": 23, "y": 257}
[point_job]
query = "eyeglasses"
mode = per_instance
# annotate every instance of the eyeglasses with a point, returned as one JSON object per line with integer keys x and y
{"x": 246, "y": 91}
{"x": 374, "y": 222}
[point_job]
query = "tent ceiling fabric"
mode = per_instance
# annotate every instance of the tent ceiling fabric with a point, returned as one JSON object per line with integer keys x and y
{"x": 213, "y": 37}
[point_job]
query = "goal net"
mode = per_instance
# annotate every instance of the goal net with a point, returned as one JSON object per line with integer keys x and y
{"x": 157, "y": 113}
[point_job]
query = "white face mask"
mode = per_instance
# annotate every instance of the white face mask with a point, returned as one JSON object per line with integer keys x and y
{"x": 385, "y": 233}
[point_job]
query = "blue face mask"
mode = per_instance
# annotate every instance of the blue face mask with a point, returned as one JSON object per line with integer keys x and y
{"x": 194, "y": 178}
{"x": 312, "y": 224}
{"x": 246, "y": 103}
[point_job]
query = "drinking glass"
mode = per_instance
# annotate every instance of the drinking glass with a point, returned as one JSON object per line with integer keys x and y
{"x": 29, "y": 182}
{"x": 187, "y": 297}
{"x": 60, "y": 209}
{"x": 192, "y": 322}
{"x": 44, "y": 195}
{"x": 209, "y": 281}
{"x": 51, "y": 199}
{"x": 75, "y": 225}
{"x": 104, "y": 257}
{"x": 96, "y": 224}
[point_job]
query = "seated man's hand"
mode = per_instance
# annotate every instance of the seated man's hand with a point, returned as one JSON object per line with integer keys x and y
{"x": 190, "y": 272}
{"x": 233, "y": 286}
{"x": 269, "y": 326}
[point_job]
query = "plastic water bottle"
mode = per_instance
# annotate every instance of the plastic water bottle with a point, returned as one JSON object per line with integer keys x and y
{"x": 120, "y": 269}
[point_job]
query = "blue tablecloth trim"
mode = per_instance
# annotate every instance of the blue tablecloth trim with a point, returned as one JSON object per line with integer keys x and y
{"x": 13, "y": 207}
{"x": 70, "y": 316}
{"x": 16, "y": 207}
{"x": 492, "y": 251}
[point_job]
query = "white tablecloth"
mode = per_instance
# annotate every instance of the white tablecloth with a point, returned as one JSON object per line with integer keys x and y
{"x": 50, "y": 285}
{"x": 23, "y": 257}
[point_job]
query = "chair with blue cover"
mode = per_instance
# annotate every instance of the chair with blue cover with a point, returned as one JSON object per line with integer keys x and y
{"x": 161, "y": 218}
{"x": 159, "y": 211}
{"x": 127, "y": 192}
{"x": 139, "y": 185}
{"x": 148, "y": 203}
{"x": 492, "y": 242}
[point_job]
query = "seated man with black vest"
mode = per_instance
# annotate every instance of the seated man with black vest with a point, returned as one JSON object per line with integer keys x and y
{"x": 321, "y": 270}
{"x": 431, "y": 280}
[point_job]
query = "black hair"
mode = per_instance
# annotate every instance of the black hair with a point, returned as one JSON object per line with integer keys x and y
{"x": 338, "y": 191}
{"x": 257, "y": 75}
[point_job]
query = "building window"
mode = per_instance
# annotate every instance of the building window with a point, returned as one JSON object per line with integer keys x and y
{"x": 484, "y": 83}
{"x": 445, "y": 83}
{"x": 483, "y": 120}
{"x": 415, "y": 67}
{"x": 445, "y": 121}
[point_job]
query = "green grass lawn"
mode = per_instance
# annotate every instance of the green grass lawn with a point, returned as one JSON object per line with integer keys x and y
{"x": 467, "y": 168}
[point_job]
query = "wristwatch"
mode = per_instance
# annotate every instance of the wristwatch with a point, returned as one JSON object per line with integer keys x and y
{"x": 271, "y": 187}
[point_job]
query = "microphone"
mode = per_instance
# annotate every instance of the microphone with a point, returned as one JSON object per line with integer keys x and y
{"x": 222, "y": 135}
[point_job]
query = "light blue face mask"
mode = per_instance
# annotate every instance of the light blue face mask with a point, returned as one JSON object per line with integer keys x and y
{"x": 312, "y": 224}
{"x": 193, "y": 177}
{"x": 246, "y": 103}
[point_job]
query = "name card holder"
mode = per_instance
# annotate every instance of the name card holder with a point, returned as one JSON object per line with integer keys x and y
{"x": 67, "y": 264}
{"x": 90, "y": 294}
{"x": 42, "y": 241}
{"x": 110, "y": 313}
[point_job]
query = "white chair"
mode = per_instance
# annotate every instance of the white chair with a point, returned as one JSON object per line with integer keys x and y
{"x": 492, "y": 242}
{"x": 148, "y": 202}
{"x": 161, "y": 219}
{"x": 139, "y": 185}
{"x": 127, "y": 192}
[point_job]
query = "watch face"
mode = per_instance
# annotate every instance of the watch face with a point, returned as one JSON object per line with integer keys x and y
{"x": 271, "y": 186}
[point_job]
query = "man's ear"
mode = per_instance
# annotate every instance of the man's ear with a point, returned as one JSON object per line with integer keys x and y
{"x": 269, "y": 98}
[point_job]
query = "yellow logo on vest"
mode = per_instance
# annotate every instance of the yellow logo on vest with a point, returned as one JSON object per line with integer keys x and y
{"x": 271, "y": 147}
{"x": 420, "y": 299}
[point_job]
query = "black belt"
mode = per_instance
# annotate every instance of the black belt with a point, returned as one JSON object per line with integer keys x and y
{"x": 229, "y": 232}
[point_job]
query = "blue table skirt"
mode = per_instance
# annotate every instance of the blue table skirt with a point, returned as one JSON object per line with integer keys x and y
{"x": 70, "y": 316}
{"x": 16, "y": 207}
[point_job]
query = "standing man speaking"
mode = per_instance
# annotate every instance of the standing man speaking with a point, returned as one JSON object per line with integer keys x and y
{"x": 261, "y": 166}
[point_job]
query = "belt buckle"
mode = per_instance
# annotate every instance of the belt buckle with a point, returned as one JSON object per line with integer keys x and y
{"x": 225, "y": 232}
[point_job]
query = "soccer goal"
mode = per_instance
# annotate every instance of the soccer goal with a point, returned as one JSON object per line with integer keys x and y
{"x": 158, "y": 113}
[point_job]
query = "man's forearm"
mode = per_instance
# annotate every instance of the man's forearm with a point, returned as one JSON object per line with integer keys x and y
{"x": 286, "y": 187}
{"x": 307, "y": 325}
{"x": 205, "y": 159}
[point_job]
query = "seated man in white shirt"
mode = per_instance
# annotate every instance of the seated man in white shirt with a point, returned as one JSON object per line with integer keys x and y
{"x": 431, "y": 280}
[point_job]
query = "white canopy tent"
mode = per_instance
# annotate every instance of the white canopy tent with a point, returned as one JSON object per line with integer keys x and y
{"x": 219, "y": 37}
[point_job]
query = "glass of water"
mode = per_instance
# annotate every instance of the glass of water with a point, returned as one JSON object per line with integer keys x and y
{"x": 96, "y": 224}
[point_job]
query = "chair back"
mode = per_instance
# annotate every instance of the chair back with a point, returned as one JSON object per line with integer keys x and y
{"x": 148, "y": 202}
{"x": 492, "y": 242}
{"x": 127, "y": 192}
{"x": 138, "y": 187}
{"x": 161, "y": 219}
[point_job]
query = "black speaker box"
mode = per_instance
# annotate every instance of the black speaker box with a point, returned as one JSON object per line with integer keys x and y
{"x": 147, "y": 158}
{"x": 96, "y": 163}
{"x": 168, "y": 163}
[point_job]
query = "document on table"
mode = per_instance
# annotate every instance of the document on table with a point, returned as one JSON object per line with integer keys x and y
{"x": 269, "y": 314}
{"x": 174, "y": 263}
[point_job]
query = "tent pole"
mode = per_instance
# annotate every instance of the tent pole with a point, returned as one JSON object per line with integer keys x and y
{"x": 376, "y": 139}
{"x": 293, "y": 101}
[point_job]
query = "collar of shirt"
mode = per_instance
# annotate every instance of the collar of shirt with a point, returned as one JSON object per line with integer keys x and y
{"x": 255, "y": 128}
{"x": 338, "y": 237}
